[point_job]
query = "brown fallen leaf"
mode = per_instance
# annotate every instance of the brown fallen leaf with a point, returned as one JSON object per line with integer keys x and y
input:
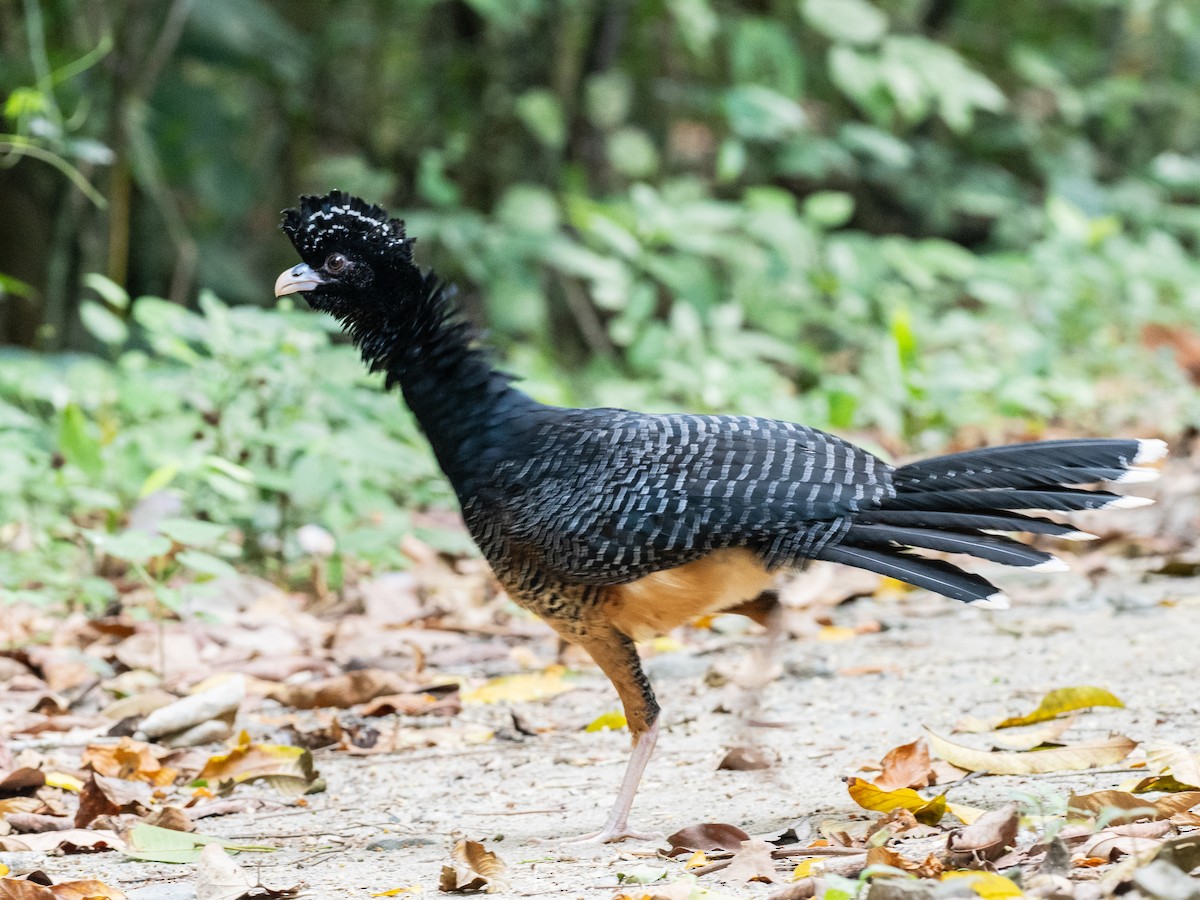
{"x": 747, "y": 759}
{"x": 24, "y": 780}
{"x": 170, "y": 817}
{"x": 104, "y": 796}
{"x": 988, "y": 838}
{"x": 906, "y": 766}
{"x": 1124, "y": 840}
{"x": 1120, "y": 807}
{"x": 21, "y": 889}
{"x": 288, "y": 769}
{"x": 413, "y": 705}
{"x": 930, "y": 867}
{"x": 868, "y": 796}
{"x": 752, "y": 862}
{"x": 479, "y": 869}
{"x": 706, "y": 838}
{"x": 34, "y": 823}
{"x": 86, "y": 890}
{"x": 1181, "y": 763}
{"x": 18, "y": 805}
{"x": 72, "y": 840}
{"x": 1087, "y": 755}
{"x": 128, "y": 759}
{"x": 340, "y": 691}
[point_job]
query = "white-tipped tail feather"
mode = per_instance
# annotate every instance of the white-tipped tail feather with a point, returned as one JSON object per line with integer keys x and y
{"x": 1127, "y": 503}
{"x": 1150, "y": 451}
{"x": 1079, "y": 536}
{"x": 1053, "y": 564}
{"x": 1137, "y": 476}
{"x": 998, "y": 600}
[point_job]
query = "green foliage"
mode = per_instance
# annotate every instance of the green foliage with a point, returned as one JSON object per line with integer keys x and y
{"x": 213, "y": 438}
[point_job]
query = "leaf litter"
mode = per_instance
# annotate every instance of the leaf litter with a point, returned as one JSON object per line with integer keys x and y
{"x": 317, "y": 689}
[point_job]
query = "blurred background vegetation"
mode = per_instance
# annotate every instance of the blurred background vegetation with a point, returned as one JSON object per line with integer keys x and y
{"x": 920, "y": 220}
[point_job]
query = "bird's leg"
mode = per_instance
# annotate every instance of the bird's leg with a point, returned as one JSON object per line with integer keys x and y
{"x": 766, "y": 610}
{"x": 617, "y": 657}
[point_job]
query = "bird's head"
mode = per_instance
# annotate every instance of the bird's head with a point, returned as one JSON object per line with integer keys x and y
{"x": 355, "y": 258}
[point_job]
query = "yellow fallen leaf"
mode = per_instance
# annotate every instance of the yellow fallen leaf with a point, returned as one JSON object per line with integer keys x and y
{"x": 4, "y": 870}
{"x": 1061, "y": 701}
{"x": 613, "y": 721}
{"x": 1027, "y": 738}
{"x": 696, "y": 860}
{"x": 868, "y": 796}
{"x": 965, "y": 814}
{"x": 63, "y": 781}
{"x": 289, "y": 769}
{"x": 836, "y": 633}
{"x": 396, "y": 892}
{"x": 1087, "y": 755}
{"x": 987, "y": 885}
{"x": 664, "y": 644}
{"x": 806, "y": 869}
{"x": 520, "y": 688}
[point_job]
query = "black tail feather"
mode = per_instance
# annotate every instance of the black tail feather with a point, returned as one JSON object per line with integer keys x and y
{"x": 994, "y": 549}
{"x": 982, "y": 521}
{"x": 948, "y": 504}
{"x": 931, "y": 574}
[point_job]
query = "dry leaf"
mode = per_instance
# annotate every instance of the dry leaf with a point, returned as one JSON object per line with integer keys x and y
{"x": 609, "y": 721}
{"x": 128, "y": 759}
{"x": 86, "y": 890}
{"x": 218, "y": 702}
{"x": 25, "y": 780}
{"x": 906, "y": 766}
{"x": 1061, "y": 701}
{"x": 707, "y": 838}
{"x": 1130, "y": 808}
{"x": 170, "y": 817}
{"x": 1123, "y": 840}
{"x": 20, "y": 889}
{"x": 752, "y": 862}
{"x": 521, "y": 688}
{"x": 987, "y": 885}
{"x": 218, "y": 877}
{"x": 103, "y": 796}
{"x": 413, "y": 705}
{"x": 1029, "y": 737}
{"x": 748, "y": 759}
{"x": 72, "y": 840}
{"x": 868, "y": 796}
{"x": 989, "y": 837}
{"x": 341, "y": 691}
{"x": 289, "y": 769}
{"x": 1086, "y": 755}
{"x": 930, "y": 867}
{"x": 480, "y": 869}
{"x": 1179, "y": 761}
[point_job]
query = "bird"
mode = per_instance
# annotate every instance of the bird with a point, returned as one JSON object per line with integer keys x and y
{"x": 614, "y": 526}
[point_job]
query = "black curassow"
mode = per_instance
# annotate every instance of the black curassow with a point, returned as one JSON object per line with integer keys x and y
{"x": 614, "y": 525}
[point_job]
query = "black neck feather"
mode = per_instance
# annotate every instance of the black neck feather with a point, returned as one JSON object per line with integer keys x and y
{"x": 462, "y": 402}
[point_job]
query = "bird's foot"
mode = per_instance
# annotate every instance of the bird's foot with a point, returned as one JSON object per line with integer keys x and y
{"x": 615, "y": 834}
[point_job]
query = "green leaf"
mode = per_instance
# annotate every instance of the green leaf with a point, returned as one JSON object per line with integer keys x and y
{"x": 102, "y": 323}
{"x": 153, "y": 844}
{"x": 132, "y": 546}
{"x": 829, "y": 209}
{"x": 192, "y": 532}
{"x": 110, "y": 292}
{"x": 759, "y": 113}
{"x": 845, "y": 21}
{"x": 77, "y": 443}
{"x": 206, "y": 564}
{"x": 539, "y": 110}
{"x": 158, "y": 479}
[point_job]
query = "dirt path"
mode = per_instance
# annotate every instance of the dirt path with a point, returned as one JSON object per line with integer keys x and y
{"x": 931, "y": 663}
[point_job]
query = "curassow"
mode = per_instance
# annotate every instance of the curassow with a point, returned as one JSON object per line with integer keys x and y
{"x": 615, "y": 525}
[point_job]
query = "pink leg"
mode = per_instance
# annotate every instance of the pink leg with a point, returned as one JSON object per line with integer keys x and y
{"x": 617, "y": 828}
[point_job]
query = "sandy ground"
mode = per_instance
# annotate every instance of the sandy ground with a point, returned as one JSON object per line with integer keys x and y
{"x": 1138, "y": 636}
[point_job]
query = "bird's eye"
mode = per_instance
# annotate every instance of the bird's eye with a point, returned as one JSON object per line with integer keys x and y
{"x": 335, "y": 262}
